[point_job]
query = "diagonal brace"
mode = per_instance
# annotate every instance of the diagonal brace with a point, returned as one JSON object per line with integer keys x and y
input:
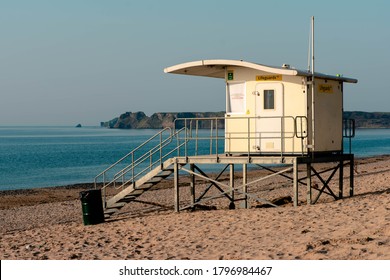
{"x": 325, "y": 183}
{"x": 212, "y": 182}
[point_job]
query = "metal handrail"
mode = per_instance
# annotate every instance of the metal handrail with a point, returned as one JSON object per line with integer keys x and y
{"x": 187, "y": 130}
{"x": 349, "y": 132}
{"x": 137, "y": 161}
{"x": 133, "y": 151}
{"x": 215, "y": 124}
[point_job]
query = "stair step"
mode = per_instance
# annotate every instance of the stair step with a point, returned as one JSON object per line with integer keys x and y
{"x": 145, "y": 186}
{"x": 132, "y": 190}
{"x": 169, "y": 169}
{"x": 164, "y": 173}
{"x": 119, "y": 204}
{"x": 154, "y": 180}
{"x": 137, "y": 192}
{"x": 127, "y": 198}
{"x": 110, "y": 211}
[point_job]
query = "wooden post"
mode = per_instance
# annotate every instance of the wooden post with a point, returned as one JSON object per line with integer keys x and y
{"x": 244, "y": 182}
{"x": 176, "y": 185}
{"x": 295, "y": 183}
{"x": 192, "y": 185}
{"x": 308, "y": 182}
{"x": 341, "y": 178}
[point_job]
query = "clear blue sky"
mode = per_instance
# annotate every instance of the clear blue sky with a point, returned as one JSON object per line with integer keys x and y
{"x": 75, "y": 61}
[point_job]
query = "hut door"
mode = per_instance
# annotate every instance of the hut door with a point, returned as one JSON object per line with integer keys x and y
{"x": 269, "y": 110}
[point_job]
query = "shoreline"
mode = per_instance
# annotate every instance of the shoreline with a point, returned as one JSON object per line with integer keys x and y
{"x": 39, "y": 195}
{"x": 46, "y": 223}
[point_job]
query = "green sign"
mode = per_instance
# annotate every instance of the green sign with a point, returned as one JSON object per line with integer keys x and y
{"x": 230, "y": 76}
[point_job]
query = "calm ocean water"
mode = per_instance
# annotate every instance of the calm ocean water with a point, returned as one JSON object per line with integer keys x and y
{"x": 54, "y": 156}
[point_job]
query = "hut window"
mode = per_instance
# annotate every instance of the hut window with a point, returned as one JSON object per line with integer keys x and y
{"x": 269, "y": 99}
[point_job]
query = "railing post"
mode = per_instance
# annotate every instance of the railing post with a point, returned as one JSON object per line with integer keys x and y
{"x": 132, "y": 169}
{"x": 216, "y": 137}
{"x": 211, "y": 136}
{"x": 249, "y": 137}
{"x": 185, "y": 138}
{"x": 161, "y": 163}
{"x": 282, "y": 136}
{"x": 196, "y": 137}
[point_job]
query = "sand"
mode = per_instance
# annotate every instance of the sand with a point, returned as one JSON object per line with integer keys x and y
{"x": 47, "y": 224}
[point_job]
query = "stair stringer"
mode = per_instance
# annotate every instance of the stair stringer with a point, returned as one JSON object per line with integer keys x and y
{"x": 112, "y": 203}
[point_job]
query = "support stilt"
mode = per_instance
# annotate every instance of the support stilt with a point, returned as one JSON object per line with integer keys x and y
{"x": 245, "y": 187}
{"x": 351, "y": 175}
{"x": 295, "y": 182}
{"x": 232, "y": 205}
{"x": 308, "y": 182}
{"x": 176, "y": 186}
{"x": 192, "y": 184}
{"x": 341, "y": 177}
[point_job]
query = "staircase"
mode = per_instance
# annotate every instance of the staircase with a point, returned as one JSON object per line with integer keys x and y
{"x": 145, "y": 166}
{"x": 134, "y": 190}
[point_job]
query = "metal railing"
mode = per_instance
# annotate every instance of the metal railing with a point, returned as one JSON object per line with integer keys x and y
{"x": 215, "y": 133}
{"x": 132, "y": 166}
{"x": 196, "y": 137}
{"x": 349, "y": 132}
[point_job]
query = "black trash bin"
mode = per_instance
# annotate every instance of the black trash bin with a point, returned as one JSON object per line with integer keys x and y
{"x": 92, "y": 206}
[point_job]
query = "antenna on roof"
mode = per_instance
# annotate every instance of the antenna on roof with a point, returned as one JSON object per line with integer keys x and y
{"x": 312, "y": 83}
{"x": 310, "y": 53}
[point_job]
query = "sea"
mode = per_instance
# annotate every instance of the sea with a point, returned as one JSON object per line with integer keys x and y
{"x": 42, "y": 156}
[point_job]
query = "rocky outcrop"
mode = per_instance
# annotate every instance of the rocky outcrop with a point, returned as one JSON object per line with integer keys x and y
{"x": 133, "y": 120}
{"x": 369, "y": 120}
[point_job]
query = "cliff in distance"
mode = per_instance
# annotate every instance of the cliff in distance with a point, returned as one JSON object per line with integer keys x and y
{"x": 138, "y": 120}
{"x": 369, "y": 120}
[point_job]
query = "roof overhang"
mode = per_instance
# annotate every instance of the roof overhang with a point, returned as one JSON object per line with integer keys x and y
{"x": 216, "y": 68}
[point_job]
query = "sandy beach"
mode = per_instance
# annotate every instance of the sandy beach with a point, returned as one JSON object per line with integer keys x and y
{"x": 47, "y": 224}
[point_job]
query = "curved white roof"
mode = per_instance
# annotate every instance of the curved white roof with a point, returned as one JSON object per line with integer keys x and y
{"x": 216, "y": 68}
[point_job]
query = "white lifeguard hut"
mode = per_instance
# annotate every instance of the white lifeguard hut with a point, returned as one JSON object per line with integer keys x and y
{"x": 274, "y": 110}
{"x": 277, "y": 118}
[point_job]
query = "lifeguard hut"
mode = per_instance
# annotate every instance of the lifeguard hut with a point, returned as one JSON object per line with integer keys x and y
{"x": 274, "y": 110}
{"x": 277, "y": 119}
{"x": 275, "y": 116}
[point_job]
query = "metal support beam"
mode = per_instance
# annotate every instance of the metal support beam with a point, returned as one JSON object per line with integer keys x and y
{"x": 295, "y": 182}
{"x": 212, "y": 182}
{"x": 225, "y": 193}
{"x": 308, "y": 182}
{"x": 192, "y": 184}
{"x": 325, "y": 183}
{"x": 231, "y": 205}
{"x": 245, "y": 186}
{"x": 176, "y": 186}
{"x": 351, "y": 175}
{"x": 341, "y": 177}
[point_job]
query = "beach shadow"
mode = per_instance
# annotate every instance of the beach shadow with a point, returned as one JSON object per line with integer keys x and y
{"x": 364, "y": 173}
{"x": 386, "y": 191}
